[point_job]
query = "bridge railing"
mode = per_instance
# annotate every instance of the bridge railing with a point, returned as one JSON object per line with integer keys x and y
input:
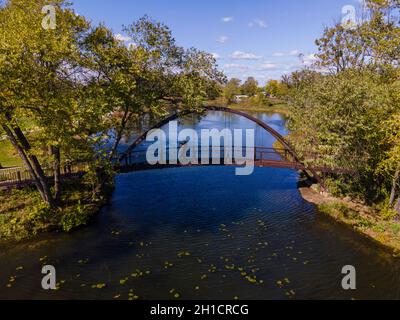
{"x": 264, "y": 156}
{"x": 138, "y": 157}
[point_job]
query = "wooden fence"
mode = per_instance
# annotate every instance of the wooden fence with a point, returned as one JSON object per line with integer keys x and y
{"x": 19, "y": 176}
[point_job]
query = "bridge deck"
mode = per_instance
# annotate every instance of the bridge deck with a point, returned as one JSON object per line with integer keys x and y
{"x": 136, "y": 161}
{"x": 261, "y": 157}
{"x": 258, "y": 163}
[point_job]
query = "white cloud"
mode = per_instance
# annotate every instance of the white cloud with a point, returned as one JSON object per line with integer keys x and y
{"x": 293, "y": 53}
{"x": 235, "y": 66}
{"x": 258, "y": 23}
{"x": 240, "y": 55}
{"x": 227, "y": 19}
{"x": 268, "y": 66}
{"x": 222, "y": 39}
{"x": 216, "y": 55}
{"x": 122, "y": 38}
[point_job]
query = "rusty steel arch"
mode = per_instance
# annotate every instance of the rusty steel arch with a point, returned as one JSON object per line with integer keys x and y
{"x": 262, "y": 124}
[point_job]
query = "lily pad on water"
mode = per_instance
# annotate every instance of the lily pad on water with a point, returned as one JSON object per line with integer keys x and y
{"x": 138, "y": 273}
{"x": 212, "y": 269}
{"x": 251, "y": 279}
{"x": 132, "y": 296}
{"x": 183, "y": 254}
{"x": 230, "y": 267}
{"x": 83, "y": 261}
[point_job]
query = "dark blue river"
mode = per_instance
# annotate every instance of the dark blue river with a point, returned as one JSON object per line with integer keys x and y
{"x": 203, "y": 233}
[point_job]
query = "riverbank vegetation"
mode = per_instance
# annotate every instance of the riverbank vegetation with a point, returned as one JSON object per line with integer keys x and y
{"x": 347, "y": 110}
{"x": 378, "y": 225}
{"x": 23, "y": 214}
{"x": 249, "y": 96}
{"x": 271, "y": 105}
{"x": 72, "y": 93}
{"x": 275, "y": 107}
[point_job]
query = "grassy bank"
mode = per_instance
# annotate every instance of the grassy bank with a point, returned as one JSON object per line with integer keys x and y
{"x": 8, "y": 155}
{"x": 270, "y": 106}
{"x": 23, "y": 214}
{"x": 277, "y": 108}
{"x": 372, "y": 223}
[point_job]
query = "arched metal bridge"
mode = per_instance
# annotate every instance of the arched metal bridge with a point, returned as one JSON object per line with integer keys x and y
{"x": 285, "y": 157}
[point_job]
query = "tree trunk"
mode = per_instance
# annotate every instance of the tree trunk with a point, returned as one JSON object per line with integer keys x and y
{"x": 120, "y": 132}
{"x": 23, "y": 147}
{"x": 36, "y": 166}
{"x": 55, "y": 151}
{"x": 25, "y": 160}
{"x": 116, "y": 144}
{"x": 394, "y": 187}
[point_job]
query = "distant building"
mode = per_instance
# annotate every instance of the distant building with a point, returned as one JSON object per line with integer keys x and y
{"x": 240, "y": 98}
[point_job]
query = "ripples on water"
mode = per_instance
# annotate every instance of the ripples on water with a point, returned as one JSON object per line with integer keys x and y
{"x": 202, "y": 233}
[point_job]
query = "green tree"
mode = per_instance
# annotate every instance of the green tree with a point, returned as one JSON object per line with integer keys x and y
{"x": 390, "y": 167}
{"x": 349, "y": 116}
{"x": 340, "y": 117}
{"x": 232, "y": 89}
{"x": 250, "y": 87}
{"x": 276, "y": 88}
{"x": 46, "y": 77}
{"x": 374, "y": 43}
{"x": 76, "y": 84}
{"x": 151, "y": 77}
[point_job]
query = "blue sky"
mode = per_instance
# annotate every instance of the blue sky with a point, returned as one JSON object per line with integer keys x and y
{"x": 260, "y": 38}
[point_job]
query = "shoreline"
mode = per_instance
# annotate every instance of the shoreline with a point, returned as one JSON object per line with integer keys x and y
{"x": 272, "y": 109}
{"x": 358, "y": 217}
{"x": 22, "y": 218}
{"x": 275, "y": 107}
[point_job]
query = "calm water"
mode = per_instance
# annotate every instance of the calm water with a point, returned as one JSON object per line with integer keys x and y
{"x": 203, "y": 233}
